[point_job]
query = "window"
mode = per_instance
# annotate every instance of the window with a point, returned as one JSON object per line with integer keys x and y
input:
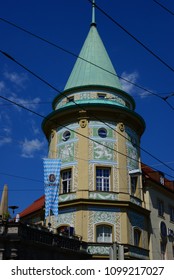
{"x": 66, "y": 135}
{"x": 101, "y": 95}
{"x": 102, "y": 132}
{"x": 160, "y": 208}
{"x": 134, "y": 180}
{"x": 171, "y": 209}
{"x": 66, "y": 179}
{"x": 104, "y": 233}
{"x": 163, "y": 249}
{"x": 103, "y": 179}
{"x": 70, "y": 99}
{"x": 137, "y": 237}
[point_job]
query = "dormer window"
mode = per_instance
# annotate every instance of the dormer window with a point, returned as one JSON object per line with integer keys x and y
{"x": 101, "y": 95}
{"x": 134, "y": 180}
{"x": 70, "y": 98}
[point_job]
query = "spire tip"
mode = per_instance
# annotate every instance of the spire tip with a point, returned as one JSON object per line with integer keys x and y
{"x": 93, "y": 23}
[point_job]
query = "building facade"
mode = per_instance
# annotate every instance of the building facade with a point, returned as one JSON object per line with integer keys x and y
{"x": 105, "y": 194}
{"x": 96, "y": 133}
{"x": 159, "y": 198}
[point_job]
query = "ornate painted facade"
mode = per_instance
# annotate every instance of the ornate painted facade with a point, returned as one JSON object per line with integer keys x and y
{"x": 96, "y": 133}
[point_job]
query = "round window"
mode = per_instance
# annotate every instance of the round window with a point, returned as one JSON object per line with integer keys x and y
{"x": 66, "y": 135}
{"x": 102, "y": 132}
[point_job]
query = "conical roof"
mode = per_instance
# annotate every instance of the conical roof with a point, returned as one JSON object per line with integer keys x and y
{"x": 93, "y": 66}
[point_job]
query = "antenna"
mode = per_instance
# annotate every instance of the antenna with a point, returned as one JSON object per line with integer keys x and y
{"x": 93, "y": 14}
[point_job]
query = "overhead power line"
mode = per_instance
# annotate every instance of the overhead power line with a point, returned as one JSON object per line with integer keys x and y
{"x": 164, "y": 7}
{"x": 48, "y": 84}
{"x": 134, "y": 38}
{"x": 79, "y": 105}
{"x": 64, "y": 126}
{"x": 76, "y": 56}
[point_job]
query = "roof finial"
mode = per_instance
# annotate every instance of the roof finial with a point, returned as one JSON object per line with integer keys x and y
{"x": 93, "y": 13}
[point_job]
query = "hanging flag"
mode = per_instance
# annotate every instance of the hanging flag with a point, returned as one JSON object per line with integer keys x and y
{"x": 51, "y": 182}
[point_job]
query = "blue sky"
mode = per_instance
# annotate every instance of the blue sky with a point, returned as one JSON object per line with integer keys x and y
{"x": 66, "y": 23}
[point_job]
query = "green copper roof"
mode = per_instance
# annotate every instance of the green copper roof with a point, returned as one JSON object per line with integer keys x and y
{"x": 85, "y": 71}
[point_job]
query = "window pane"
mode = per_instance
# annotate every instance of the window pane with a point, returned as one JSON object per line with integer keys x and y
{"x": 137, "y": 235}
{"x": 104, "y": 234}
{"x": 66, "y": 181}
{"x": 133, "y": 184}
{"x": 160, "y": 208}
{"x": 102, "y": 179}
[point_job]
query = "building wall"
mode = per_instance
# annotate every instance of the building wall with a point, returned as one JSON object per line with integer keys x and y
{"x": 154, "y": 194}
{"x": 85, "y": 145}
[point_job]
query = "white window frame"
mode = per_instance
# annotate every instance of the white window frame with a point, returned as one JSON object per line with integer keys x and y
{"x": 66, "y": 182}
{"x": 104, "y": 234}
{"x": 103, "y": 182}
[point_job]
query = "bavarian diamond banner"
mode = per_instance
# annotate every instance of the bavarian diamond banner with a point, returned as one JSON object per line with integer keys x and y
{"x": 51, "y": 182}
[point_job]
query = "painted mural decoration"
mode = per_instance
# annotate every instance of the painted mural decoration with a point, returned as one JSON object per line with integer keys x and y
{"x": 66, "y": 152}
{"x": 67, "y": 218}
{"x": 132, "y": 149}
{"x": 66, "y": 144}
{"x": 103, "y": 147}
{"x": 103, "y": 151}
{"x": 108, "y": 216}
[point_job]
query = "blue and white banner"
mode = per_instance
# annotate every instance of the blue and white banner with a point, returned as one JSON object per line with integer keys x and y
{"x": 51, "y": 182}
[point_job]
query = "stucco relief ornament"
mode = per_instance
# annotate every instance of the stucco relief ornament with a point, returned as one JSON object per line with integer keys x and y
{"x": 121, "y": 127}
{"x": 83, "y": 123}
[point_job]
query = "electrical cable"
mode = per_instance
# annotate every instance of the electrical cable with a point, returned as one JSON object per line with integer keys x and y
{"x": 164, "y": 7}
{"x": 48, "y": 84}
{"x": 76, "y": 56}
{"x": 133, "y": 37}
{"x": 93, "y": 140}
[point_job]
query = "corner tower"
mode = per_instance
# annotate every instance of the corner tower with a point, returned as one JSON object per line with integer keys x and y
{"x": 96, "y": 133}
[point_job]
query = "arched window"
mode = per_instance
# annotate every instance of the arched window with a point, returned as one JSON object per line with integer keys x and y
{"x": 104, "y": 233}
{"x": 137, "y": 236}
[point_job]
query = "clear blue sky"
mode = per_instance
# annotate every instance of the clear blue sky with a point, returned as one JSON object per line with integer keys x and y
{"x": 66, "y": 23}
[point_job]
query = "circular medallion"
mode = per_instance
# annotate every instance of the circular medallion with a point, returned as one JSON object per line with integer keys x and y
{"x": 52, "y": 178}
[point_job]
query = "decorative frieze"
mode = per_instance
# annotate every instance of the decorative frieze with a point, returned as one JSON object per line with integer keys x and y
{"x": 67, "y": 197}
{"x": 105, "y": 216}
{"x": 103, "y": 196}
{"x": 66, "y": 218}
{"x": 99, "y": 250}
